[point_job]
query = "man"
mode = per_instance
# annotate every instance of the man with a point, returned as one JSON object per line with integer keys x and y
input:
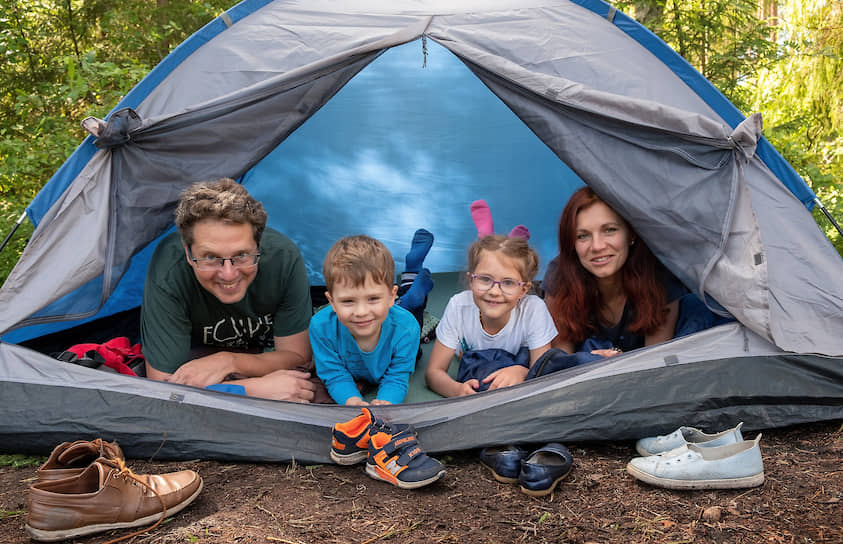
{"x": 226, "y": 298}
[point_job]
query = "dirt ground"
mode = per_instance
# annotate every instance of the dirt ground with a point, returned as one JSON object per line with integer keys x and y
{"x": 800, "y": 502}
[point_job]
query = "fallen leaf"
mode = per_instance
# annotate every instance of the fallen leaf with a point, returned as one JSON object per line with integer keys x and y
{"x": 711, "y": 514}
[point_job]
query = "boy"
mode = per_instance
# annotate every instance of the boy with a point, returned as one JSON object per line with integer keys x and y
{"x": 363, "y": 336}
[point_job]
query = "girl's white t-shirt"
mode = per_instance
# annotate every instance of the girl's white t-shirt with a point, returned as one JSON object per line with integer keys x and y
{"x": 530, "y": 324}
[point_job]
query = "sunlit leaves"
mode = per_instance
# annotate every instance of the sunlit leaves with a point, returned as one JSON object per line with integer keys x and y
{"x": 789, "y": 68}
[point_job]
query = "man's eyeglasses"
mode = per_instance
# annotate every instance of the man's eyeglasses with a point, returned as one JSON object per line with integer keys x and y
{"x": 242, "y": 261}
{"x": 508, "y": 286}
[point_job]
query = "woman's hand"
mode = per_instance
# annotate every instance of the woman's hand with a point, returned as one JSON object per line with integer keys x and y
{"x": 606, "y": 352}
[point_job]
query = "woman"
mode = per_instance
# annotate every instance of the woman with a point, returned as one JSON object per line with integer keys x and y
{"x": 606, "y": 284}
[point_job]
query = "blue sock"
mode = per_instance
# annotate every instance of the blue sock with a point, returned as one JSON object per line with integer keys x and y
{"x": 422, "y": 241}
{"x": 414, "y": 297}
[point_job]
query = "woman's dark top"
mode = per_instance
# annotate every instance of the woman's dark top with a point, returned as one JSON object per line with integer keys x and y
{"x": 619, "y": 335}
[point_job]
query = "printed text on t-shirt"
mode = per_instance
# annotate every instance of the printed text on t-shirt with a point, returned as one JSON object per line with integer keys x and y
{"x": 239, "y": 332}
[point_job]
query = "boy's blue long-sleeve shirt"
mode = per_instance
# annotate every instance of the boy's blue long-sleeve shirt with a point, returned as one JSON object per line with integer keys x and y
{"x": 340, "y": 361}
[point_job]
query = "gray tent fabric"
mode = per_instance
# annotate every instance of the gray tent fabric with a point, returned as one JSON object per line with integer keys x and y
{"x": 600, "y": 401}
{"x": 691, "y": 185}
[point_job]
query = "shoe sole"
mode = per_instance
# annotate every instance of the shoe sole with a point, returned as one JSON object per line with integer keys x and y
{"x": 725, "y": 483}
{"x": 379, "y": 474}
{"x": 54, "y": 536}
{"x": 498, "y": 477}
{"x": 549, "y": 490}
{"x": 349, "y": 458}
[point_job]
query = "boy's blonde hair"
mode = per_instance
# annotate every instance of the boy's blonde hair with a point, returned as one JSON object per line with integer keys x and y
{"x": 354, "y": 258}
{"x": 224, "y": 200}
{"x": 525, "y": 258}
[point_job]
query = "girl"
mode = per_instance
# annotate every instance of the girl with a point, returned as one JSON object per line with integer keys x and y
{"x": 495, "y": 313}
{"x": 606, "y": 284}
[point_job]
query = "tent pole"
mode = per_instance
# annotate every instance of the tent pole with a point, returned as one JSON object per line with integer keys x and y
{"x": 18, "y": 223}
{"x": 828, "y": 215}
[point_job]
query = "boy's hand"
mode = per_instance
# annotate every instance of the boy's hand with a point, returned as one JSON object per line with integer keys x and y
{"x": 356, "y": 401}
{"x": 511, "y": 375}
{"x": 469, "y": 387}
{"x": 379, "y": 402}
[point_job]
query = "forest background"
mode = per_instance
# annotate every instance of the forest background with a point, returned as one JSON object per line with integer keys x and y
{"x": 64, "y": 60}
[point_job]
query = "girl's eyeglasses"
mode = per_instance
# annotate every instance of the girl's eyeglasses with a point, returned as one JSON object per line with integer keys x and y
{"x": 508, "y": 286}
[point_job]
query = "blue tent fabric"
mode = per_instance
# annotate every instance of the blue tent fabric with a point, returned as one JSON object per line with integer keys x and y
{"x": 260, "y": 95}
{"x": 385, "y": 99}
{"x": 678, "y": 128}
{"x": 59, "y": 182}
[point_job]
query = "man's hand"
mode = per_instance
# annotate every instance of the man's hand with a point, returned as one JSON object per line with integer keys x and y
{"x": 205, "y": 371}
{"x": 292, "y": 385}
{"x": 380, "y": 402}
{"x": 511, "y": 375}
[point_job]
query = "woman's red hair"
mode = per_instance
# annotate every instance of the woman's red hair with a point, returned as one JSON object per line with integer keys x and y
{"x": 572, "y": 294}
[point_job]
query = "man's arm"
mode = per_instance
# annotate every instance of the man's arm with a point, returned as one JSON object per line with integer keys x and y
{"x": 290, "y": 352}
{"x": 279, "y": 384}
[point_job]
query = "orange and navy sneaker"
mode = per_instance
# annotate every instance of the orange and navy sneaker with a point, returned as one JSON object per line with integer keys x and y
{"x": 396, "y": 457}
{"x": 350, "y": 440}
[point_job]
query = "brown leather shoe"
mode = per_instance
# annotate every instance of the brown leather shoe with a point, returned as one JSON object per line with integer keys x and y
{"x": 106, "y": 496}
{"x": 71, "y": 458}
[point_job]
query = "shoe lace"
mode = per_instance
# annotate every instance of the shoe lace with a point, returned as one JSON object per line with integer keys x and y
{"x": 126, "y": 472}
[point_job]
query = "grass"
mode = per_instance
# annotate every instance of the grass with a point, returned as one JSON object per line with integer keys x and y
{"x": 11, "y": 513}
{"x": 20, "y": 461}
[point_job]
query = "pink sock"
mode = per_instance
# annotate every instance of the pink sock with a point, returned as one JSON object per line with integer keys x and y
{"x": 482, "y": 216}
{"x": 520, "y": 231}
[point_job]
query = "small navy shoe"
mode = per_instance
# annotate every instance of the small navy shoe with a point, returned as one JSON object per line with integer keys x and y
{"x": 504, "y": 462}
{"x": 544, "y": 468}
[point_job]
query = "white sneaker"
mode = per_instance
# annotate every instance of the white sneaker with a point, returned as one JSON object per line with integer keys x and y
{"x": 687, "y": 435}
{"x": 732, "y": 466}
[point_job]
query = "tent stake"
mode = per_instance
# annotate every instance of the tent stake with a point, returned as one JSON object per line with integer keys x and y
{"x": 18, "y": 223}
{"x": 828, "y": 215}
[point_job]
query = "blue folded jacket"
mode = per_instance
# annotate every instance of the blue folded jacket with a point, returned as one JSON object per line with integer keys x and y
{"x": 554, "y": 359}
{"x": 479, "y": 363}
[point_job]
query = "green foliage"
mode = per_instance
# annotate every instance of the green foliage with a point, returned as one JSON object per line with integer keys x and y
{"x": 11, "y": 513}
{"x": 791, "y": 70}
{"x": 802, "y": 100}
{"x": 21, "y": 461}
{"x": 64, "y": 60}
{"x": 723, "y": 39}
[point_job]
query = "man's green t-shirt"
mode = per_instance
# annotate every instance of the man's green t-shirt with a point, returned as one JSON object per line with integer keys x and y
{"x": 178, "y": 313}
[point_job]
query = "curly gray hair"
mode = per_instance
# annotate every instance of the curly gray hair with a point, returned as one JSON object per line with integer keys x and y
{"x": 225, "y": 200}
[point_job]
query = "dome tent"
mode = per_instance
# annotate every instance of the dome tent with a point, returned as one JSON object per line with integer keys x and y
{"x": 607, "y": 99}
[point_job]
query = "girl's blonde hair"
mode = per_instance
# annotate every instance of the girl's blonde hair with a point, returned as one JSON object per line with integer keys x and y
{"x": 525, "y": 257}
